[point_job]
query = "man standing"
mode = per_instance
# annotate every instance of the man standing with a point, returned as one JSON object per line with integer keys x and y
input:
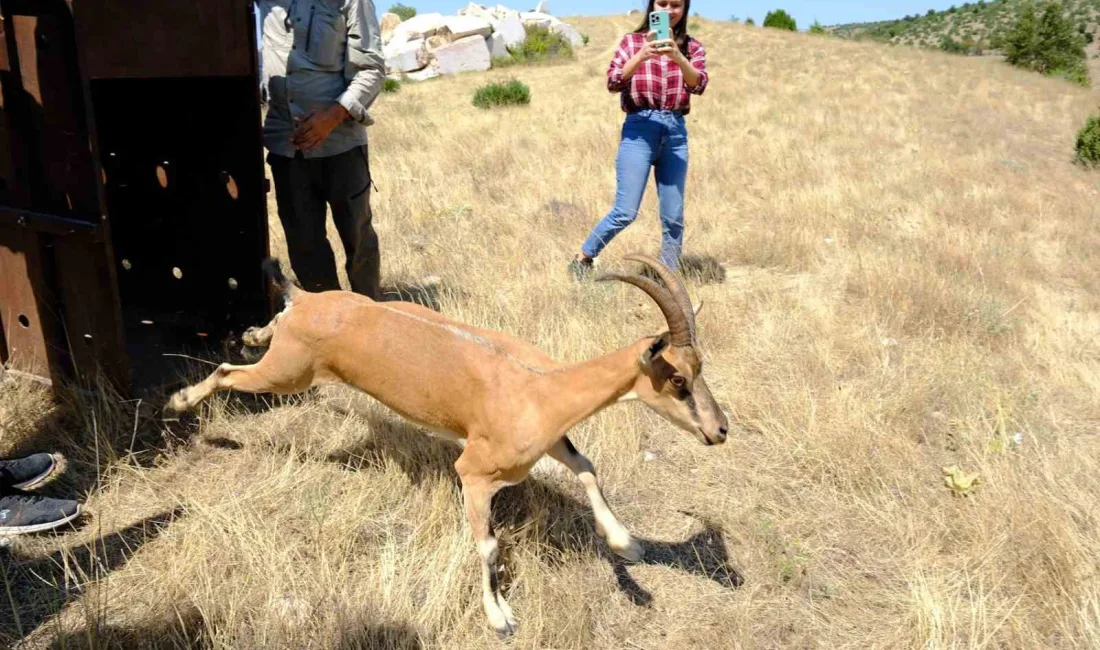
{"x": 322, "y": 68}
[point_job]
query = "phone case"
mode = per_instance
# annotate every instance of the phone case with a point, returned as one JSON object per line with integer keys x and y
{"x": 658, "y": 22}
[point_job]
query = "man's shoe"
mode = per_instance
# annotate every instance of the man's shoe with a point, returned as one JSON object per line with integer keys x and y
{"x": 31, "y": 471}
{"x": 25, "y": 513}
{"x": 580, "y": 268}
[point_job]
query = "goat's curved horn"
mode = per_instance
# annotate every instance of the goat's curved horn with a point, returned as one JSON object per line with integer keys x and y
{"x": 673, "y": 282}
{"x": 678, "y": 327}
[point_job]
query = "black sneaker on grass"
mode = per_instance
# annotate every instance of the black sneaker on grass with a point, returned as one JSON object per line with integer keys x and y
{"x": 29, "y": 472}
{"x": 26, "y": 513}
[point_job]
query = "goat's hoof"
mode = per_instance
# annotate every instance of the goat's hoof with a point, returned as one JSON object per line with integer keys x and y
{"x": 501, "y": 618}
{"x": 509, "y": 628}
{"x": 178, "y": 403}
{"x": 632, "y": 551}
{"x": 249, "y": 337}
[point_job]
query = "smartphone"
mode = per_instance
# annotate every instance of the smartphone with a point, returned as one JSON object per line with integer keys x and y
{"x": 658, "y": 22}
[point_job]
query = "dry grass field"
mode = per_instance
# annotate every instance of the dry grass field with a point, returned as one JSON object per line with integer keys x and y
{"x": 911, "y": 281}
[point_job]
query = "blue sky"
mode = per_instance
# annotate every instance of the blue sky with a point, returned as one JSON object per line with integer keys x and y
{"x": 829, "y": 12}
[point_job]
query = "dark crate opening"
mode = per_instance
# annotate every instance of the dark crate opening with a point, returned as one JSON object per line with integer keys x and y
{"x": 184, "y": 188}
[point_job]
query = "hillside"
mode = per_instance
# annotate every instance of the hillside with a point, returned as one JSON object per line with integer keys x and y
{"x": 982, "y": 23}
{"x": 911, "y": 282}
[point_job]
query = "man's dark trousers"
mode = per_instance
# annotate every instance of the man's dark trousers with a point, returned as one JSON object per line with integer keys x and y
{"x": 302, "y": 188}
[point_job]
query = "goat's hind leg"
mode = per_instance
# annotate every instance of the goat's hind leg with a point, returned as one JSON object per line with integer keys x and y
{"x": 259, "y": 337}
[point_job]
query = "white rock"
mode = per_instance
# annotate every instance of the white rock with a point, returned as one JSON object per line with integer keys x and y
{"x": 497, "y": 46}
{"x": 568, "y": 32}
{"x": 430, "y": 72}
{"x": 535, "y": 18}
{"x": 433, "y": 43}
{"x": 396, "y": 38}
{"x": 511, "y": 29}
{"x": 422, "y": 25}
{"x": 388, "y": 23}
{"x": 474, "y": 9}
{"x": 470, "y": 54}
{"x": 407, "y": 57}
{"x": 463, "y": 26}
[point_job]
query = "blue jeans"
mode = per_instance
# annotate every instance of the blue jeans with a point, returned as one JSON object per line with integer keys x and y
{"x": 657, "y": 139}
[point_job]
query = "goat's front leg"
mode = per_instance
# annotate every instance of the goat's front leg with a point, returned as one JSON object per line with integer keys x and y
{"x": 607, "y": 525}
{"x": 255, "y": 378}
{"x": 477, "y": 492}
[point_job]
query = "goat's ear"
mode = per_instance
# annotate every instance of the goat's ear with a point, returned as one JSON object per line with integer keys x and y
{"x": 654, "y": 350}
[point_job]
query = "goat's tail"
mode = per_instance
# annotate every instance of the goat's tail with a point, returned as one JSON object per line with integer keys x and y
{"x": 274, "y": 270}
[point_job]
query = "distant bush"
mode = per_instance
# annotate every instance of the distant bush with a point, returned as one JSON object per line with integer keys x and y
{"x": 965, "y": 47}
{"x": 404, "y": 11}
{"x": 390, "y": 85}
{"x": 780, "y": 19}
{"x": 750, "y": 21}
{"x": 952, "y": 46}
{"x": 1048, "y": 45}
{"x": 512, "y": 92}
{"x": 1088, "y": 142}
{"x": 817, "y": 28}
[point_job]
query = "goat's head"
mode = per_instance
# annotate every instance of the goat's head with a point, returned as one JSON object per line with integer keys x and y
{"x": 671, "y": 382}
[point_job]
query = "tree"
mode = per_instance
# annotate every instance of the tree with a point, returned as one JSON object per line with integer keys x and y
{"x": 750, "y": 21}
{"x": 1021, "y": 45}
{"x": 1047, "y": 44}
{"x": 780, "y": 19}
{"x": 405, "y": 12}
{"x": 817, "y": 28}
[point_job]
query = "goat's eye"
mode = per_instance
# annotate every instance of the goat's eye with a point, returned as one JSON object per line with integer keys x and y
{"x": 677, "y": 381}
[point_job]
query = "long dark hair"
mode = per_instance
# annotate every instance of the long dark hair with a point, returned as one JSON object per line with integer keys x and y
{"x": 679, "y": 32}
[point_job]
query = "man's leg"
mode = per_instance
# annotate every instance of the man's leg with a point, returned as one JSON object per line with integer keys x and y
{"x": 347, "y": 189}
{"x": 302, "y": 213}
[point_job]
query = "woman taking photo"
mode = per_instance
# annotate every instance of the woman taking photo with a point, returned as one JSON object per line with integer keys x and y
{"x": 655, "y": 80}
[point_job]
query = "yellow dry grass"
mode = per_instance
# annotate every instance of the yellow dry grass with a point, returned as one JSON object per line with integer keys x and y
{"x": 912, "y": 282}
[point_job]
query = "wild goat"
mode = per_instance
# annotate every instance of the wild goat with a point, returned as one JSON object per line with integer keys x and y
{"x": 504, "y": 400}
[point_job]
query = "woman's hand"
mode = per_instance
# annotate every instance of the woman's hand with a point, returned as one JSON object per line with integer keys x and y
{"x": 673, "y": 52}
{"x": 651, "y": 49}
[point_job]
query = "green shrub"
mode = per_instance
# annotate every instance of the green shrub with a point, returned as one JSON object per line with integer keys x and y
{"x": 541, "y": 45}
{"x": 584, "y": 38}
{"x": 817, "y": 28}
{"x": 512, "y": 92}
{"x": 780, "y": 19}
{"x": 750, "y": 21}
{"x": 1088, "y": 142}
{"x": 404, "y": 11}
{"x": 390, "y": 85}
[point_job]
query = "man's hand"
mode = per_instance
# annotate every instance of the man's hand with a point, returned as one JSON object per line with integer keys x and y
{"x": 312, "y": 129}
